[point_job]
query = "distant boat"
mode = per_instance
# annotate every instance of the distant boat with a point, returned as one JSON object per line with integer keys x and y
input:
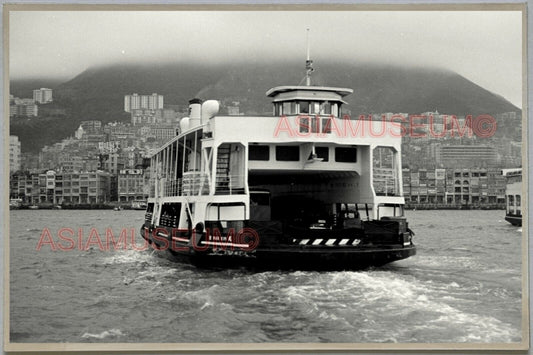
{"x": 15, "y": 203}
{"x": 138, "y": 205}
{"x": 118, "y": 208}
{"x": 513, "y": 196}
{"x": 33, "y": 207}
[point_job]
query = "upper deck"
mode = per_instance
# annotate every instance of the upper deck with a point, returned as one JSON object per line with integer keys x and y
{"x": 306, "y": 139}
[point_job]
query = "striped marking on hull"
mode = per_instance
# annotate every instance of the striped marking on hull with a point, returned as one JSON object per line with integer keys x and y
{"x": 327, "y": 241}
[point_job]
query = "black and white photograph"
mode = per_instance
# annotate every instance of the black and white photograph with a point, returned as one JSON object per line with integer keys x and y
{"x": 258, "y": 177}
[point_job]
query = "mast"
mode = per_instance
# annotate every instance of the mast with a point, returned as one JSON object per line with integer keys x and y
{"x": 308, "y": 64}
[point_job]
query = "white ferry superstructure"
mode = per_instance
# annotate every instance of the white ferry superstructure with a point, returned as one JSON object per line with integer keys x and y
{"x": 513, "y": 196}
{"x": 298, "y": 189}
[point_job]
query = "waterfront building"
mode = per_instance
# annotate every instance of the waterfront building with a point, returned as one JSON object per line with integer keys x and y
{"x": 152, "y": 117}
{"x": 114, "y": 163}
{"x": 24, "y": 110}
{"x": 117, "y": 131}
{"x": 70, "y": 163}
{"x": 83, "y": 188}
{"x": 23, "y": 101}
{"x": 53, "y": 187}
{"x": 136, "y": 101}
{"x": 131, "y": 185}
{"x": 108, "y": 147}
{"x": 143, "y": 117}
{"x": 163, "y": 133}
{"x": 42, "y": 95}
{"x": 91, "y": 126}
{"x": 467, "y": 155}
{"x": 454, "y": 187}
{"x": 14, "y": 153}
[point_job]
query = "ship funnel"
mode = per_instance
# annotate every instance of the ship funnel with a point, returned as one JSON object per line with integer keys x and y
{"x": 209, "y": 110}
{"x": 185, "y": 123}
{"x": 195, "y": 109}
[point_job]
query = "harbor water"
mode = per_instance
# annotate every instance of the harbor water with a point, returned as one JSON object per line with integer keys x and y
{"x": 463, "y": 286}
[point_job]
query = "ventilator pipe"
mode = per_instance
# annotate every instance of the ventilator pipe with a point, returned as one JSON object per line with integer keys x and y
{"x": 185, "y": 124}
{"x": 209, "y": 110}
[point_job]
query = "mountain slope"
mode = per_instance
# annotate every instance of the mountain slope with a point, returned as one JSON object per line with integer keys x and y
{"x": 98, "y": 93}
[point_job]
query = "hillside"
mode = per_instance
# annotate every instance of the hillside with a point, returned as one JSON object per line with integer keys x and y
{"x": 24, "y": 87}
{"x": 98, "y": 93}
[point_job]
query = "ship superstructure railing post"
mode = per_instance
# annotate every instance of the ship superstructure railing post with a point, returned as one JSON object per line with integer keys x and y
{"x": 157, "y": 176}
{"x": 176, "y": 159}
{"x": 184, "y": 154}
{"x": 207, "y": 156}
{"x": 398, "y": 179}
{"x": 195, "y": 150}
{"x": 214, "y": 176}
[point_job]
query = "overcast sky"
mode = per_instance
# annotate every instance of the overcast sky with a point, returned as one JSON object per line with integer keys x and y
{"x": 483, "y": 46}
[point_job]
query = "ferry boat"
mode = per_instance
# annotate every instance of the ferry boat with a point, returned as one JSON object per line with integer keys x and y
{"x": 15, "y": 203}
{"x": 303, "y": 188}
{"x": 513, "y": 196}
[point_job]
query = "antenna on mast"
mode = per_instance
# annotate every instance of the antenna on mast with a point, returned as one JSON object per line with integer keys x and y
{"x": 308, "y": 64}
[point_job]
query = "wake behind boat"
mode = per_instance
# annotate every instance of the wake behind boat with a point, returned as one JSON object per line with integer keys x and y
{"x": 298, "y": 189}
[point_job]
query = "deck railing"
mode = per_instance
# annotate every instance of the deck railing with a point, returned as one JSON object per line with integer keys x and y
{"x": 196, "y": 183}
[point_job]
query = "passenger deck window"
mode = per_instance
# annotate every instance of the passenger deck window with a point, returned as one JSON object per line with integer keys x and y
{"x": 287, "y": 153}
{"x": 322, "y": 152}
{"x": 259, "y": 152}
{"x": 346, "y": 154}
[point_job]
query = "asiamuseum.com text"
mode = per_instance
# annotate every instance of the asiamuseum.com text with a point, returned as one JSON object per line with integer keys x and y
{"x": 175, "y": 239}
{"x": 396, "y": 125}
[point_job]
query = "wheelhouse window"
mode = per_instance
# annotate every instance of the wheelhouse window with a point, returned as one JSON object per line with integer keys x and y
{"x": 288, "y": 153}
{"x": 325, "y": 108}
{"x": 315, "y": 107}
{"x": 303, "y": 106}
{"x": 259, "y": 152}
{"x": 289, "y": 108}
{"x": 335, "y": 110}
{"x": 346, "y": 154}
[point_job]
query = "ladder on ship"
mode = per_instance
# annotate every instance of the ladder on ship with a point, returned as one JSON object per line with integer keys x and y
{"x": 223, "y": 179}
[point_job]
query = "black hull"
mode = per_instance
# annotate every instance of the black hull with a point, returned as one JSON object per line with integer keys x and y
{"x": 514, "y": 220}
{"x": 306, "y": 260}
{"x": 294, "y": 257}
